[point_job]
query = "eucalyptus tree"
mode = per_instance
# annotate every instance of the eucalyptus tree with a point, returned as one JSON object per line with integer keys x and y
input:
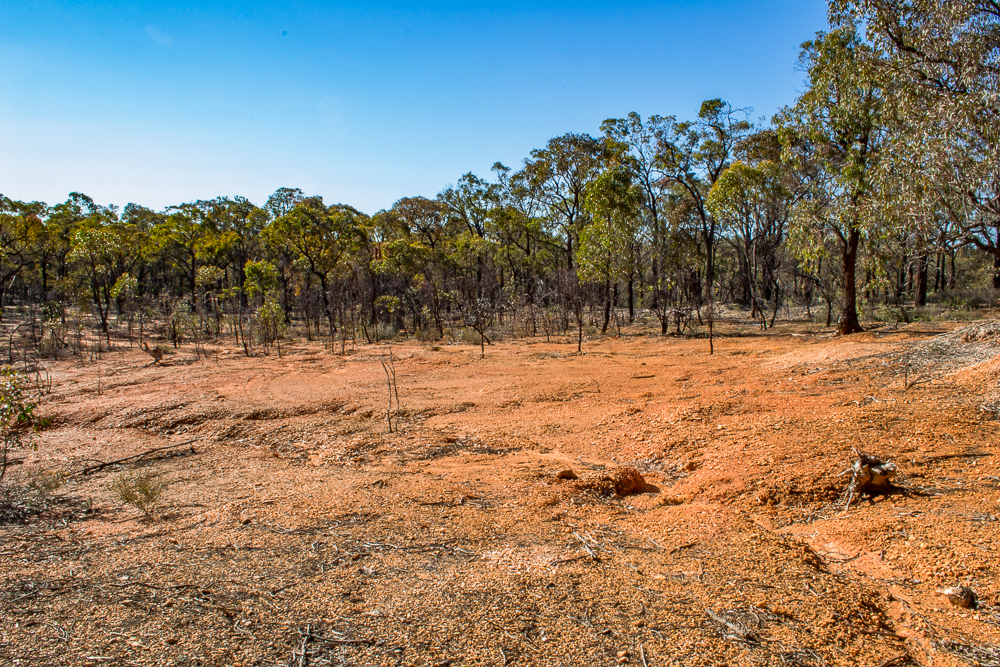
{"x": 944, "y": 59}
{"x": 472, "y": 204}
{"x": 610, "y": 246}
{"x": 324, "y": 238}
{"x": 283, "y": 201}
{"x": 525, "y": 245}
{"x": 184, "y": 239}
{"x": 104, "y": 250}
{"x": 558, "y": 175}
{"x": 236, "y": 237}
{"x": 834, "y": 137}
{"x": 145, "y": 222}
{"x": 753, "y": 201}
{"x": 278, "y": 204}
{"x": 693, "y": 155}
{"x": 21, "y": 231}
{"x": 636, "y": 145}
{"x": 60, "y": 225}
{"x": 423, "y": 247}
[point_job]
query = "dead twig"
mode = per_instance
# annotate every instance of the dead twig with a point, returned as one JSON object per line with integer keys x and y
{"x": 586, "y": 546}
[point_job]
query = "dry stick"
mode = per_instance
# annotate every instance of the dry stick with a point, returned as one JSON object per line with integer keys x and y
{"x": 585, "y": 546}
{"x": 388, "y": 382}
{"x": 302, "y": 649}
{"x": 740, "y": 632}
{"x": 101, "y": 466}
{"x": 330, "y": 640}
{"x": 395, "y": 387}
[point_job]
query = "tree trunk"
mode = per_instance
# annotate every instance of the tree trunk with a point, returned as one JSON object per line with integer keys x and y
{"x": 920, "y": 297}
{"x": 848, "y": 322}
{"x": 607, "y": 311}
{"x": 631, "y": 298}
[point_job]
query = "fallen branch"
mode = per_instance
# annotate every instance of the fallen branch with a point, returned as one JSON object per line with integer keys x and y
{"x": 136, "y": 457}
{"x": 741, "y": 633}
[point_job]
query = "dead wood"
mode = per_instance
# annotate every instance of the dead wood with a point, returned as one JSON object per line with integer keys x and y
{"x": 136, "y": 457}
{"x": 743, "y": 634}
{"x": 155, "y": 352}
{"x": 869, "y": 475}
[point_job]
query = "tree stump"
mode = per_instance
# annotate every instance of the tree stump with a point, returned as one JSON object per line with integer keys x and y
{"x": 869, "y": 475}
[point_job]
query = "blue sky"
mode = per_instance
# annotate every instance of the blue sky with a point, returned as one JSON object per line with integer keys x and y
{"x": 161, "y": 103}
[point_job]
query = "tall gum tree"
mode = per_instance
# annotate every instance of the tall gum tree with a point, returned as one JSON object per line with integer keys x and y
{"x": 833, "y": 137}
{"x": 558, "y": 174}
{"x": 324, "y": 238}
{"x": 944, "y": 58}
{"x": 636, "y": 143}
{"x": 753, "y": 203}
{"x": 609, "y": 246}
{"x": 693, "y": 155}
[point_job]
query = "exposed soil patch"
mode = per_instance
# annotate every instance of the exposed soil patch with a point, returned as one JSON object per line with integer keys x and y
{"x": 299, "y": 531}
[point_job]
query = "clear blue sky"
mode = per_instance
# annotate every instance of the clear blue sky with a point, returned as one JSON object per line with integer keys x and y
{"x": 162, "y": 103}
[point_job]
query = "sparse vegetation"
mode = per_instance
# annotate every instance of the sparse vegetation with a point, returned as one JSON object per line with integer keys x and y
{"x": 712, "y": 521}
{"x": 142, "y": 490}
{"x": 16, "y": 414}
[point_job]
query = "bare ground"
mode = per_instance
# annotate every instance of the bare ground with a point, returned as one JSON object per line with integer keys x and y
{"x": 300, "y": 531}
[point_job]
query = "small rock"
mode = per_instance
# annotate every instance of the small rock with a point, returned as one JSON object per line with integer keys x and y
{"x": 960, "y": 596}
{"x": 566, "y": 474}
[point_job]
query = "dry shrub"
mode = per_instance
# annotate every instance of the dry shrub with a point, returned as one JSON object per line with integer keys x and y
{"x": 45, "y": 481}
{"x": 141, "y": 490}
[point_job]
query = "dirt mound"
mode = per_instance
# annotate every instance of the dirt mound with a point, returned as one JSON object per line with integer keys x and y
{"x": 619, "y": 482}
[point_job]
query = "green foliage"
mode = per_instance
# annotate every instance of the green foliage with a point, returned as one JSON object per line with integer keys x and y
{"x": 261, "y": 278}
{"x": 882, "y": 176}
{"x": 126, "y": 287}
{"x": 270, "y": 322}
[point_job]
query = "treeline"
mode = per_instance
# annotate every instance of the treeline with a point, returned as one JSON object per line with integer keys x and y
{"x": 878, "y": 187}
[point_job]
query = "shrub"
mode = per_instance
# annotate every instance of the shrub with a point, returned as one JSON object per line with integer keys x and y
{"x": 141, "y": 490}
{"x": 45, "y": 482}
{"x": 15, "y": 414}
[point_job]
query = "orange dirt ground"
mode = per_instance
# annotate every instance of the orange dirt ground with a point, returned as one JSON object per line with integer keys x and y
{"x": 301, "y": 532}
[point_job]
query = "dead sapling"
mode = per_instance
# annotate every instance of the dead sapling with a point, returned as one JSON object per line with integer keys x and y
{"x": 155, "y": 352}
{"x": 870, "y": 475}
{"x": 393, "y": 391}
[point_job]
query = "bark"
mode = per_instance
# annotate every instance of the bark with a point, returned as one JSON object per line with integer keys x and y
{"x": 607, "y": 310}
{"x": 920, "y": 297}
{"x": 848, "y": 322}
{"x": 631, "y": 298}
